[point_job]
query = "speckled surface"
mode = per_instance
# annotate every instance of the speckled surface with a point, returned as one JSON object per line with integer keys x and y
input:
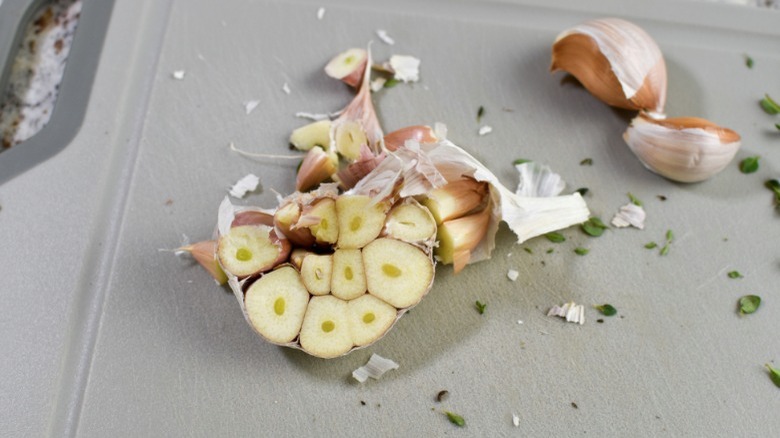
{"x": 30, "y": 96}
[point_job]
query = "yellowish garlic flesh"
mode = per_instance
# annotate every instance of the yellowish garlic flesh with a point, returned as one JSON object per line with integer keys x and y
{"x": 684, "y": 149}
{"x": 616, "y": 61}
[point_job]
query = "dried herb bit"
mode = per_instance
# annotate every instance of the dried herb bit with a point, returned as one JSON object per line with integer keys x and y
{"x": 362, "y": 403}
{"x": 581, "y": 251}
{"x": 661, "y": 198}
{"x": 749, "y": 304}
{"x": 594, "y": 227}
{"x": 555, "y": 237}
{"x": 600, "y": 321}
{"x": 582, "y": 191}
{"x": 574, "y": 405}
{"x": 586, "y": 162}
{"x": 390, "y": 83}
{"x": 480, "y": 113}
{"x": 748, "y": 61}
{"x": 549, "y": 251}
{"x": 669, "y": 236}
{"x": 651, "y": 245}
{"x": 769, "y": 105}
{"x": 606, "y": 310}
{"x": 749, "y": 164}
{"x": 455, "y": 419}
{"x": 777, "y": 125}
{"x": 774, "y": 374}
{"x": 665, "y": 250}
{"x": 774, "y": 186}
{"x": 480, "y": 307}
{"x": 520, "y": 161}
{"x": 442, "y": 395}
{"x": 528, "y": 250}
{"x": 734, "y": 274}
{"x": 634, "y": 200}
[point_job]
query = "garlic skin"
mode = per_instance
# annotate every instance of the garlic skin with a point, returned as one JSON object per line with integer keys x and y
{"x": 616, "y": 61}
{"x": 684, "y": 149}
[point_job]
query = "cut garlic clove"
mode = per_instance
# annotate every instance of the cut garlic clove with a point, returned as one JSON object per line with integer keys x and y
{"x": 205, "y": 253}
{"x": 684, "y": 149}
{"x": 314, "y": 134}
{"x": 316, "y": 167}
{"x": 616, "y": 61}
{"x": 348, "y": 66}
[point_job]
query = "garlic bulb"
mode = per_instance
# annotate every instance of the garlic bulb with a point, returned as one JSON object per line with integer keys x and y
{"x": 684, "y": 149}
{"x": 616, "y": 61}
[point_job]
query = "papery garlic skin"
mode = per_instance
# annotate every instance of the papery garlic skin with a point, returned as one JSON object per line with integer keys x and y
{"x": 616, "y": 61}
{"x": 684, "y": 149}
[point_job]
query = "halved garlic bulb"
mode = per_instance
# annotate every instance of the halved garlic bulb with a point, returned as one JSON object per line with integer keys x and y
{"x": 684, "y": 149}
{"x": 616, "y": 61}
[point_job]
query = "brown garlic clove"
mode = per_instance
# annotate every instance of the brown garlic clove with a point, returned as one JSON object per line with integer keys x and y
{"x": 317, "y": 166}
{"x": 684, "y": 149}
{"x": 616, "y": 61}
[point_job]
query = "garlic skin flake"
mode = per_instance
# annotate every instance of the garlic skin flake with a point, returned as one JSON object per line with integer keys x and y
{"x": 684, "y": 149}
{"x": 538, "y": 180}
{"x": 246, "y": 184}
{"x": 616, "y": 61}
{"x": 571, "y": 312}
{"x": 630, "y": 215}
{"x": 374, "y": 368}
{"x": 405, "y": 68}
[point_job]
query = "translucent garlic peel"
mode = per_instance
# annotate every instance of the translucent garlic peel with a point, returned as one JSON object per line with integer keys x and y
{"x": 616, "y": 60}
{"x": 686, "y": 149}
{"x": 538, "y": 180}
{"x": 630, "y": 215}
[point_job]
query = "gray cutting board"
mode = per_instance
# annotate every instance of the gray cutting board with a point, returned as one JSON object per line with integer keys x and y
{"x": 106, "y": 336}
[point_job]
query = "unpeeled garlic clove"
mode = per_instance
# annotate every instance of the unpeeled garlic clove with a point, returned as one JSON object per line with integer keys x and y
{"x": 317, "y": 166}
{"x": 684, "y": 149}
{"x": 616, "y": 61}
{"x": 419, "y": 133}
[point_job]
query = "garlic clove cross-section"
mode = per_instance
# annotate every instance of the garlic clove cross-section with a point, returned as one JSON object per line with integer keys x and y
{"x": 616, "y": 61}
{"x": 684, "y": 149}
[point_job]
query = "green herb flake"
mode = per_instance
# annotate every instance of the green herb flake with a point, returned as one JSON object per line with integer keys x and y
{"x": 528, "y": 250}
{"x": 665, "y": 250}
{"x": 480, "y": 307}
{"x": 581, "y": 251}
{"x": 774, "y": 186}
{"x": 480, "y": 113}
{"x": 586, "y": 162}
{"x": 634, "y": 200}
{"x": 555, "y": 237}
{"x": 769, "y": 105}
{"x": 582, "y": 191}
{"x": 651, "y": 245}
{"x": 749, "y": 164}
{"x": 748, "y": 61}
{"x": 777, "y": 125}
{"x": 774, "y": 374}
{"x": 519, "y": 161}
{"x": 392, "y": 82}
{"x": 593, "y": 227}
{"x": 734, "y": 274}
{"x": 455, "y": 419}
{"x": 749, "y": 304}
{"x": 606, "y": 310}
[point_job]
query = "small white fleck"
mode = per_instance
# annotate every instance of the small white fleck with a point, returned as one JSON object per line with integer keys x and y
{"x": 286, "y": 88}
{"x": 544, "y": 332}
{"x": 405, "y": 68}
{"x": 516, "y": 420}
{"x": 189, "y": 281}
{"x": 485, "y": 130}
{"x": 512, "y": 274}
{"x": 520, "y": 321}
{"x": 570, "y": 311}
{"x": 382, "y": 34}
{"x": 178, "y": 74}
{"x": 314, "y": 116}
{"x": 201, "y": 57}
{"x": 244, "y": 185}
{"x": 377, "y": 84}
{"x": 374, "y": 368}
{"x": 250, "y": 105}
{"x": 320, "y": 13}
{"x": 509, "y": 254}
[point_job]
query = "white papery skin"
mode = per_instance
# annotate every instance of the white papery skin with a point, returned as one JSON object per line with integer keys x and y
{"x": 684, "y": 155}
{"x": 621, "y": 41}
{"x": 538, "y": 180}
{"x": 431, "y": 165}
